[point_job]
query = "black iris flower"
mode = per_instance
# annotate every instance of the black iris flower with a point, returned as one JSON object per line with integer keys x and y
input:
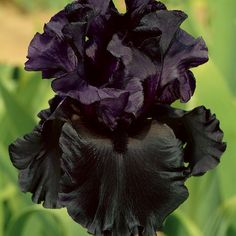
{"x": 111, "y": 148}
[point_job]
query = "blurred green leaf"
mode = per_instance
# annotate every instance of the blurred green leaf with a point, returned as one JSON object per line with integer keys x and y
{"x": 50, "y": 223}
{"x": 20, "y": 118}
{"x": 223, "y": 47}
{"x": 188, "y": 227}
{"x": 213, "y": 92}
{"x": 223, "y": 219}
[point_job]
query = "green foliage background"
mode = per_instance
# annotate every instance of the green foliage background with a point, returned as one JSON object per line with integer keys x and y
{"x": 211, "y": 207}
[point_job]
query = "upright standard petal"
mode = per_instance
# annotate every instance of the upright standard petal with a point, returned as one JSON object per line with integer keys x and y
{"x": 200, "y": 130}
{"x": 137, "y": 8}
{"x": 49, "y": 52}
{"x": 122, "y": 183}
{"x": 133, "y": 72}
{"x": 177, "y": 81}
{"x": 164, "y": 22}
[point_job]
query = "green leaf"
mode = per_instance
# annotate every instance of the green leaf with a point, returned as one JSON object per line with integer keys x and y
{"x": 183, "y": 223}
{"x": 18, "y": 114}
{"x": 222, "y": 221}
{"x": 213, "y": 92}
{"x": 49, "y": 222}
{"x": 223, "y": 47}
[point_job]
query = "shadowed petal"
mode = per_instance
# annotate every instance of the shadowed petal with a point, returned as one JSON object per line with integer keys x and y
{"x": 37, "y": 155}
{"x": 118, "y": 186}
{"x": 133, "y": 71}
{"x": 177, "y": 81}
{"x": 55, "y": 25}
{"x": 136, "y": 64}
{"x": 136, "y": 9}
{"x": 201, "y": 132}
{"x": 134, "y": 4}
{"x": 166, "y": 22}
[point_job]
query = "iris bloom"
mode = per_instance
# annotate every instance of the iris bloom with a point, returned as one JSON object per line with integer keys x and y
{"x": 110, "y": 148}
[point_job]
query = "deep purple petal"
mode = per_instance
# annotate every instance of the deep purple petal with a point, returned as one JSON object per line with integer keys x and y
{"x": 166, "y": 22}
{"x": 138, "y": 8}
{"x": 136, "y": 64}
{"x": 135, "y": 69}
{"x": 50, "y": 55}
{"x": 100, "y": 6}
{"x": 177, "y": 82}
{"x": 111, "y": 109}
{"x": 75, "y": 34}
{"x": 136, "y": 97}
{"x": 56, "y": 24}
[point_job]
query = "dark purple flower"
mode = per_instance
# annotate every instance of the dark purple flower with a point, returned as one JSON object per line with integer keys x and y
{"x": 95, "y": 53}
{"x": 110, "y": 148}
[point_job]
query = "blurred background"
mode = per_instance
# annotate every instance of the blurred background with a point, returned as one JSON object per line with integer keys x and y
{"x": 211, "y": 207}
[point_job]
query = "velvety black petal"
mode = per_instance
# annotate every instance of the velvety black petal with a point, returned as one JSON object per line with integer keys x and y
{"x": 122, "y": 183}
{"x": 137, "y": 8}
{"x": 165, "y": 22}
{"x": 37, "y": 155}
{"x": 100, "y": 6}
{"x": 131, "y": 5}
{"x": 201, "y": 132}
{"x": 177, "y": 82}
{"x": 53, "y": 105}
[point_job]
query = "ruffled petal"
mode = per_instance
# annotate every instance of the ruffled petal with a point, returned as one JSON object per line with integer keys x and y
{"x": 111, "y": 109}
{"x": 137, "y": 8}
{"x": 37, "y": 155}
{"x": 110, "y": 102}
{"x": 177, "y": 82}
{"x": 101, "y": 16}
{"x": 131, "y": 5}
{"x": 75, "y": 34}
{"x": 134, "y": 70}
{"x": 55, "y": 25}
{"x": 164, "y": 23}
{"x": 201, "y": 132}
{"x": 49, "y": 52}
{"x": 100, "y": 6}
{"x": 124, "y": 182}
{"x": 136, "y": 64}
